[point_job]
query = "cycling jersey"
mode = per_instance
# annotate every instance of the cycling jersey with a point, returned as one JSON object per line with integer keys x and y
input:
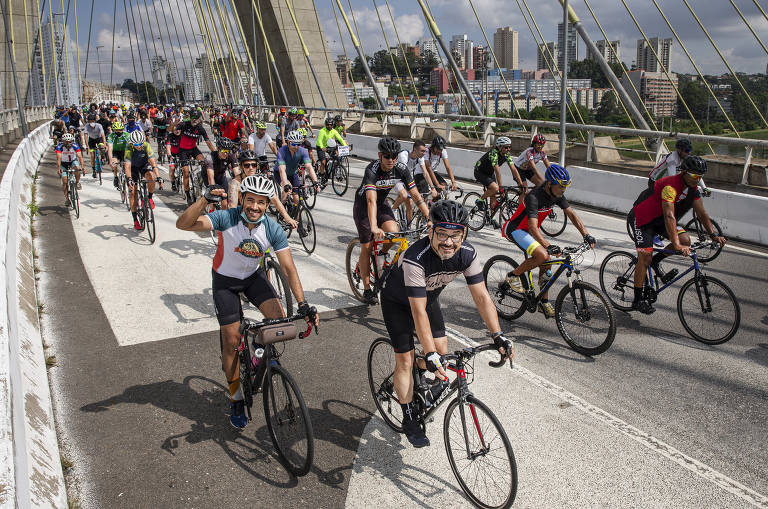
{"x": 240, "y": 251}
{"x": 215, "y": 161}
{"x": 259, "y": 144}
{"x": 376, "y": 179}
{"x": 231, "y": 128}
{"x": 538, "y": 203}
{"x": 648, "y": 205}
{"x": 529, "y": 155}
{"x": 667, "y": 166}
{"x": 415, "y": 166}
{"x": 118, "y": 141}
{"x": 129, "y": 128}
{"x": 139, "y": 157}
{"x": 490, "y": 159}
{"x": 289, "y": 125}
{"x": 436, "y": 159}
{"x": 105, "y": 124}
{"x": 190, "y": 134}
{"x": 325, "y": 134}
{"x": 291, "y": 161}
{"x": 95, "y": 132}
{"x": 173, "y": 140}
{"x": 68, "y": 154}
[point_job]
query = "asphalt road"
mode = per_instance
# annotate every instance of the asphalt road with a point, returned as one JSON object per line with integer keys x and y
{"x": 659, "y": 420}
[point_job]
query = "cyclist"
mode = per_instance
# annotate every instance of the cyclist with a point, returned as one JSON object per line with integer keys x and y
{"x": 260, "y": 140}
{"x": 139, "y": 160}
{"x": 338, "y": 124}
{"x": 304, "y": 122}
{"x": 56, "y": 130}
{"x": 106, "y": 124}
{"x": 286, "y": 125}
{"x": 321, "y": 143}
{"x": 656, "y": 212}
{"x": 245, "y": 233}
{"x": 523, "y": 229}
{"x": 95, "y": 137}
{"x": 410, "y": 302}
{"x": 68, "y": 154}
{"x": 436, "y": 155}
{"x": 488, "y": 170}
{"x": 414, "y": 161}
{"x": 117, "y": 142}
{"x": 132, "y": 125}
{"x": 172, "y": 140}
{"x": 217, "y": 163}
{"x": 307, "y": 145}
{"x": 232, "y": 127}
{"x": 525, "y": 164}
{"x": 289, "y": 158}
{"x": 370, "y": 211}
{"x": 160, "y": 128}
{"x": 191, "y": 131}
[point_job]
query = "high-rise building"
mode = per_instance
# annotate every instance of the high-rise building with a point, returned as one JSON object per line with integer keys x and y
{"x": 61, "y": 83}
{"x": 343, "y": 68}
{"x": 646, "y": 60}
{"x": 158, "y": 68}
{"x": 478, "y": 56}
{"x": 571, "y": 43}
{"x": 655, "y": 91}
{"x": 604, "y": 48}
{"x": 193, "y": 82}
{"x": 505, "y": 46}
{"x": 427, "y": 45}
{"x": 458, "y": 47}
{"x": 545, "y": 55}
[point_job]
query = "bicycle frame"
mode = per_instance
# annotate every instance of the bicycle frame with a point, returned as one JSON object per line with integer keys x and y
{"x": 402, "y": 243}
{"x": 651, "y": 273}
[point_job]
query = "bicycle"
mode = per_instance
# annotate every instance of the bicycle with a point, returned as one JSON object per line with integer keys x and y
{"x": 144, "y": 212}
{"x": 74, "y": 196}
{"x": 196, "y": 187}
{"x": 583, "y": 316}
{"x": 161, "y": 150}
{"x": 478, "y": 449}
{"x": 337, "y": 170}
{"x": 509, "y": 199}
{"x": 287, "y": 416}
{"x": 417, "y": 220}
{"x": 97, "y": 168}
{"x": 122, "y": 183}
{"x": 310, "y": 194}
{"x": 700, "y": 296}
{"x": 379, "y": 268}
{"x": 300, "y": 212}
{"x": 698, "y": 233}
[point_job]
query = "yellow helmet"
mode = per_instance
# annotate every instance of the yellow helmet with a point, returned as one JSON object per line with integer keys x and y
{"x": 117, "y": 126}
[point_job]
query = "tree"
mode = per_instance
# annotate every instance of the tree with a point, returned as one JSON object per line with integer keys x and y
{"x": 695, "y": 95}
{"x": 539, "y": 113}
{"x": 369, "y": 103}
{"x": 608, "y": 109}
{"x": 590, "y": 69}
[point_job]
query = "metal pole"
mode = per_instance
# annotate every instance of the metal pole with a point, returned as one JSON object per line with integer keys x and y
{"x": 8, "y": 43}
{"x": 256, "y": 58}
{"x": 98, "y": 63}
{"x": 564, "y": 83}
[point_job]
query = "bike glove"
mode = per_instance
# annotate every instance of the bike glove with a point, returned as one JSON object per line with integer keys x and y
{"x": 501, "y": 341}
{"x": 553, "y": 249}
{"x": 589, "y": 239}
{"x": 434, "y": 361}
{"x": 306, "y": 310}
{"x": 212, "y": 198}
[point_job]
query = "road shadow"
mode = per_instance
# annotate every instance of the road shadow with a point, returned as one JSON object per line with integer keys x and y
{"x": 759, "y": 354}
{"x": 59, "y": 210}
{"x": 331, "y": 298}
{"x": 111, "y": 231}
{"x": 202, "y": 304}
{"x": 98, "y": 203}
{"x": 361, "y": 315}
{"x": 189, "y": 247}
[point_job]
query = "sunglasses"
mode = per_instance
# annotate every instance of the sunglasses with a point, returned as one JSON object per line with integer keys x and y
{"x": 295, "y": 144}
{"x": 694, "y": 175}
{"x": 138, "y": 145}
{"x": 249, "y": 165}
{"x": 224, "y": 151}
{"x": 385, "y": 155}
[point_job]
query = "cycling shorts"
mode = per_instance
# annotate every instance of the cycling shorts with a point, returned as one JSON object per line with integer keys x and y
{"x": 485, "y": 179}
{"x": 524, "y": 174}
{"x": 523, "y": 240}
{"x": 643, "y": 235}
{"x": 137, "y": 173}
{"x": 292, "y": 179}
{"x": 360, "y": 215}
{"x": 65, "y": 166}
{"x": 401, "y": 331}
{"x": 119, "y": 155}
{"x": 189, "y": 153}
{"x": 227, "y": 290}
{"x": 218, "y": 179}
{"x": 93, "y": 143}
{"x": 322, "y": 155}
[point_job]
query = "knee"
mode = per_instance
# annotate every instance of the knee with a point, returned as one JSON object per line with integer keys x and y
{"x": 404, "y": 363}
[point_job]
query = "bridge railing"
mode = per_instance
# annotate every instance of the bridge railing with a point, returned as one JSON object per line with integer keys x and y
{"x": 10, "y": 121}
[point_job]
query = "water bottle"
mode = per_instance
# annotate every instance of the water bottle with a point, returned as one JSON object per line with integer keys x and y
{"x": 258, "y": 353}
{"x": 544, "y": 278}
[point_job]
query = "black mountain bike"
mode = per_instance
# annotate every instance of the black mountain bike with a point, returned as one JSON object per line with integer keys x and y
{"x": 300, "y": 212}
{"x": 337, "y": 170}
{"x": 144, "y": 212}
{"x": 477, "y": 446}
{"x": 509, "y": 199}
{"x": 74, "y": 198}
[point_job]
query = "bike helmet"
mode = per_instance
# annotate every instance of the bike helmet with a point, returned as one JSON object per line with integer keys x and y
{"x": 556, "y": 174}
{"x": 331, "y": 144}
{"x": 449, "y": 214}
{"x": 294, "y": 137}
{"x": 67, "y": 137}
{"x": 225, "y": 143}
{"x": 247, "y": 155}
{"x": 293, "y": 111}
{"x": 538, "y": 140}
{"x": 195, "y": 114}
{"x": 684, "y": 144}
{"x": 137, "y": 137}
{"x": 300, "y": 112}
{"x": 257, "y": 184}
{"x": 503, "y": 141}
{"x": 303, "y": 131}
{"x": 337, "y": 118}
{"x": 160, "y": 116}
{"x": 438, "y": 142}
{"x": 694, "y": 164}
{"x": 261, "y": 125}
{"x": 329, "y": 121}
{"x": 92, "y": 117}
{"x": 389, "y": 145}
{"x": 117, "y": 126}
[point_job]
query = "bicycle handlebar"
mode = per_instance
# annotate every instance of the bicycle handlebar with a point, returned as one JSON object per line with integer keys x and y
{"x": 395, "y": 235}
{"x": 253, "y": 325}
{"x": 471, "y": 351}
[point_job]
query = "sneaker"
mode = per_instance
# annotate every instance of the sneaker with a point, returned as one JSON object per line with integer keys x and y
{"x": 515, "y": 283}
{"x": 94, "y": 172}
{"x": 115, "y": 182}
{"x": 669, "y": 276}
{"x": 152, "y": 203}
{"x": 414, "y": 433}
{"x": 547, "y": 308}
{"x": 67, "y": 203}
{"x": 480, "y": 204}
{"x": 136, "y": 224}
{"x": 237, "y": 417}
{"x": 643, "y": 306}
{"x": 369, "y": 297}
{"x": 174, "y": 188}
{"x": 79, "y": 186}
{"x": 658, "y": 241}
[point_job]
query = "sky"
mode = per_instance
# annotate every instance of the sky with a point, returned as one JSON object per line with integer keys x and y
{"x": 453, "y": 17}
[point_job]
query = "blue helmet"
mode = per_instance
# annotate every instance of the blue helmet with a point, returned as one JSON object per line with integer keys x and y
{"x": 558, "y": 175}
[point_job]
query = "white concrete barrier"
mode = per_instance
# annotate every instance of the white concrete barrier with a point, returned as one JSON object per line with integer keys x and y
{"x": 741, "y": 216}
{"x": 30, "y": 466}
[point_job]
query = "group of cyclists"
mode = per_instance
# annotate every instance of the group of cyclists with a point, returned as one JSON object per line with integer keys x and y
{"x": 243, "y": 187}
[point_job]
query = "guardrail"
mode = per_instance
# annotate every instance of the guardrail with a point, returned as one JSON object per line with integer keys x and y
{"x": 10, "y": 121}
{"x": 30, "y": 465}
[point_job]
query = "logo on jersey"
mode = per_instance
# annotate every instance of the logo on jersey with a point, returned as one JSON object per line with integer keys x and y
{"x": 250, "y": 248}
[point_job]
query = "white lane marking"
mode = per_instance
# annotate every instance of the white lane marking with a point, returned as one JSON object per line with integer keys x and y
{"x": 710, "y": 474}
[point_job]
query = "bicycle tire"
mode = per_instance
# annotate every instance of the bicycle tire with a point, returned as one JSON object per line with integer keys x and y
{"x": 279, "y": 282}
{"x": 630, "y": 230}
{"x": 709, "y": 283}
{"x": 97, "y": 160}
{"x": 476, "y": 219}
{"x": 589, "y": 317}
{"x": 245, "y": 377}
{"x": 121, "y": 185}
{"x": 695, "y": 228}
{"x": 617, "y": 279}
{"x": 75, "y": 199}
{"x": 286, "y": 413}
{"x": 307, "y": 231}
{"x": 127, "y": 194}
{"x": 510, "y": 305}
{"x": 552, "y": 224}
{"x": 380, "y": 381}
{"x": 474, "y": 431}
{"x": 505, "y": 211}
{"x": 310, "y": 196}
{"x": 353, "y": 277}
{"x": 149, "y": 218}
{"x": 340, "y": 179}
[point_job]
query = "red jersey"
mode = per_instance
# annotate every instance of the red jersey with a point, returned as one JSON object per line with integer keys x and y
{"x": 231, "y": 128}
{"x": 668, "y": 189}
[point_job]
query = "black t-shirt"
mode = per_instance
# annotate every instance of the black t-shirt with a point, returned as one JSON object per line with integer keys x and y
{"x": 106, "y": 124}
{"x": 421, "y": 273}
{"x": 376, "y": 179}
{"x": 74, "y": 119}
{"x": 161, "y": 125}
{"x": 219, "y": 164}
{"x": 538, "y": 203}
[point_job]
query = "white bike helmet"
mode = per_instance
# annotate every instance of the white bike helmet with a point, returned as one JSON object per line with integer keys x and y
{"x": 295, "y": 137}
{"x": 257, "y": 184}
{"x": 67, "y": 137}
{"x": 137, "y": 137}
{"x": 331, "y": 143}
{"x": 503, "y": 141}
{"x": 160, "y": 116}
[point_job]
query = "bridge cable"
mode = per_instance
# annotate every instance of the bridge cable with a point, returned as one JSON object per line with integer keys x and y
{"x": 309, "y": 67}
{"x": 749, "y": 26}
{"x": 266, "y": 50}
{"x": 219, "y": 49}
{"x": 346, "y": 57}
{"x": 170, "y": 43}
{"x": 269, "y": 53}
{"x": 165, "y": 52}
{"x": 218, "y": 84}
{"x": 725, "y": 61}
{"x": 39, "y": 42}
{"x": 55, "y": 74}
{"x": 326, "y": 52}
{"x": 210, "y": 51}
{"x": 690, "y": 58}
{"x": 496, "y": 62}
{"x": 77, "y": 46}
{"x": 64, "y": 41}
{"x": 130, "y": 44}
{"x": 382, "y": 101}
{"x": 389, "y": 50}
{"x": 245, "y": 59}
{"x": 88, "y": 46}
{"x": 112, "y": 63}
{"x": 146, "y": 49}
{"x": 178, "y": 40}
{"x": 138, "y": 51}
{"x": 760, "y": 9}
{"x": 26, "y": 33}
{"x": 405, "y": 59}
{"x": 154, "y": 48}
{"x": 254, "y": 70}
{"x": 232, "y": 56}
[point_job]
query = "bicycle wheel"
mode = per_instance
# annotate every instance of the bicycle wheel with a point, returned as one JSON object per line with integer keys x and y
{"x": 310, "y": 195}
{"x": 480, "y": 454}
{"x": 149, "y": 218}
{"x": 127, "y": 194}
{"x": 630, "y": 229}
{"x": 98, "y": 167}
{"x": 585, "y": 319}
{"x": 288, "y": 421}
{"x": 505, "y": 211}
{"x": 698, "y": 234}
{"x": 307, "y": 232}
{"x": 399, "y": 212}
{"x": 381, "y": 368}
{"x": 123, "y": 193}
{"x": 245, "y": 377}
{"x": 340, "y": 181}
{"x": 74, "y": 198}
{"x": 509, "y": 304}
{"x": 617, "y": 274}
{"x": 476, "y": 215}
{"x": 279, "y": 282}
{"x": 554, "y": 224}
{"x": 353, "y": 271}
{"x": 708, "y": 310}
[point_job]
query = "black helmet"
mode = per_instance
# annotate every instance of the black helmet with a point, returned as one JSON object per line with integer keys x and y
{"x": 247, "y": 155}
{"x": 225, "y": 143}
{"x": 694, "y": 164}
{"x": 389, "y": 145}
{"x": 448, "y": 211}
{"x": 337, "y": 118}
{"x": 329, "y": 121}
{"x": 194, "y": 114}
{"x": 438, "y": 142}
{"x": 92, "y": 117}
{"x": 684, "y": 144}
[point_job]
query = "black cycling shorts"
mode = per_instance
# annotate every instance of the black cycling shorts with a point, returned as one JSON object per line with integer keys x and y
{"x": 227, "y": 290}
{"x": 421, "y": 183}
{"x": 137, "y": 173}
{"x": 187, "y": 154}
{"x": 643, "y": 235}
{"x": 360, "y": 215}
{"x": 218, "y": 179}
{"x": 401, "y": 330}
{"x": 119, "y": 155}
{"x": 525, "y": 174}
{"x": 485, "y": 178}
{"x": 93, "y": 142}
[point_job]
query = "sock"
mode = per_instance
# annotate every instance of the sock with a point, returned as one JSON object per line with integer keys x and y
{"x": 235, "y": 391}
{"x": 407, "y": 410}
{"x": 544, "y": 300}
{"x": 150, "y": 195}
{"x": 135, "y": 217}
{"x": 638, "y": 294}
